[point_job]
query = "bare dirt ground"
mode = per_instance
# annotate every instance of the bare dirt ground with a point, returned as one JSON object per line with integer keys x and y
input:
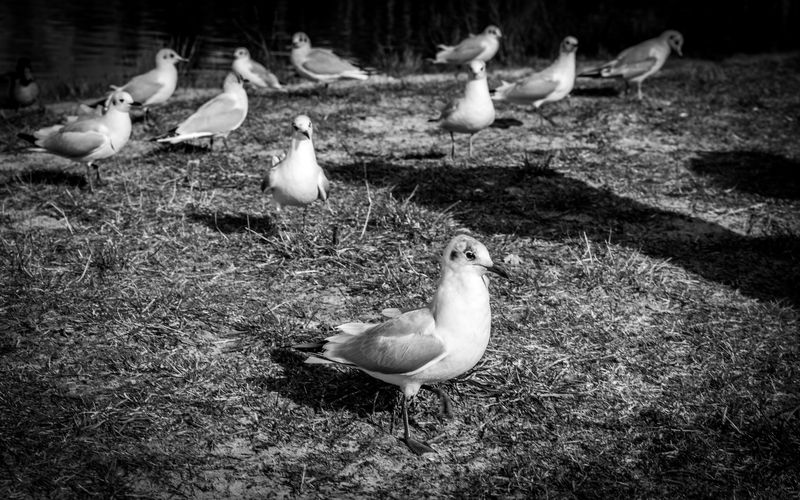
{"x": 646, "y": 345}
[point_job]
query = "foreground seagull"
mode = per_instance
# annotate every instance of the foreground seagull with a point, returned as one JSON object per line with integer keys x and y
{"x": 321, "y": 65}
{"x": 297, "y": 179}
{"x": 216, "y": 118}
{"x": 636, "y": 63}
{"x": 471, "y": 113}
{"x": 480, "y": 47}
{"x": 254, "y": 72}
{"x": 91, "y": 138}
{"x": 157, "y": 85}
{"x": 23, "y": 89}
{"x": 549, "y": 85}
{"x": 435, "y": 343}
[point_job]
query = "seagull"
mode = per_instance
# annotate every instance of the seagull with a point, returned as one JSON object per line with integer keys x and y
{"x": 297, "y": 179}
{"x": 157, "y": 85}
{"x": 254, "y": 72}
{"x": 216, "y": 118}
{"x": 473, "y": 112}
{"x": 636, "y": 63}
{"x": 432, "y": 344}
{"x": 23, "y": 89}
{"x": 90, "y": 138}
{"x": 321, "y": 65}
{"x": 549, "y": 85}
{"x": 475, "y": 47}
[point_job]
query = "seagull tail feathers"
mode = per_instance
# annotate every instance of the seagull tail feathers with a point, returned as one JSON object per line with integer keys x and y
{"x": 500, "y": 93}
{"x": 592, "y": 72}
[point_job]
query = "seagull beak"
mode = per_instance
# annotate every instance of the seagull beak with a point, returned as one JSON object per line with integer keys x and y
{"x": 679, "y": 51}
{"x": 182, "y": 59}
{"x": 136, "y": 103}
{"x": 498, "y": 270}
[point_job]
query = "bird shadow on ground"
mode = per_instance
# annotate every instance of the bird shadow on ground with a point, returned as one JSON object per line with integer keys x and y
{"x": 754, "y": 172}
{"x": 596, "y": 92}
{"x": 542, "y": 203}
{"x": 319, "y": 386}
{"x": 45, "y": 176}
{"x": 233, "y": 223}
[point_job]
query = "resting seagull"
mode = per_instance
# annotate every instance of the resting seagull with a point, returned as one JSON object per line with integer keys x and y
{"x": 321, "y": 65}
{"x": 428, "y": 345}
{"x": 480, "y": 47}
{"x": 549, "y": 85}
{"x": 253, "y": 72}
{"x": 216, "y": 118}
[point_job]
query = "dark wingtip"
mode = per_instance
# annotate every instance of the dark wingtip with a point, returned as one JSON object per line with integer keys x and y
{"x": 308, "y": 346}
{"x": 27, "y": 137}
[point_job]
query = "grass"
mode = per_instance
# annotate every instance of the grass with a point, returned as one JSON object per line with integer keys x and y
{"x": 646, "y": 345}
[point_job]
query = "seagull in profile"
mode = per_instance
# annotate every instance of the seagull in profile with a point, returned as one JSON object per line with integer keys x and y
{"x": 471, "y": 113}
{"x": 88, "y": 139}
{"x": 480, "y": 47}
{"x": 297, "y": 179}
{"x": 23, "y": 89}
{"x": 253, "y": 72}
{"x": 155, "y": 86}
{"x": 549, "y": 85}
{"x": 216, "y": 118}
{"x": 321, "y": 65}
{"x": 424, "y": 346}
{"x": 637, "y": 63}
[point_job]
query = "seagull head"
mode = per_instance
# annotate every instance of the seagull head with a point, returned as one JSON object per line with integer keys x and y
{"x": 241, "y": 53}
{"x": 466, "y": 254}
{"x": 232, "y": 79}
{"x": 166, "y": 57}
{"x": 300, "y": 40}
{"x": 302, "y": 127}
{"x": 493, "y": 30}
{"x": 570, "y": 44}
{"x": 477, "y": 69}
{"x": 122, "y": 101}
{"x": 675, "y": 41}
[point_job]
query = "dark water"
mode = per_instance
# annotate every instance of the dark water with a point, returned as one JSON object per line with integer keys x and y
{"x": 82, "y": 42}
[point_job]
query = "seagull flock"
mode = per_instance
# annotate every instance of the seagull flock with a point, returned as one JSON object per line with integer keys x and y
{"x": 411, "y": 349}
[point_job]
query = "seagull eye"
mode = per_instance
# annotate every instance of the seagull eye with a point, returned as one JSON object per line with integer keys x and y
{"x": 470, "y": 255}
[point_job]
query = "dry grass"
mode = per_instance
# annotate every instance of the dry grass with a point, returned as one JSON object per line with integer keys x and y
{"x": 647, "y": 345}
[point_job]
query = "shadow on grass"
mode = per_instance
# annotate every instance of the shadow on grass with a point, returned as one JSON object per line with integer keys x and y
{"x": 229, "y": 223}
{"x": 753, "y": 172}
{"x": 609, "y": 91}
{"x": 320, "y": 386}
{"x": 46, "y": 176}
{"x": 542, "y": 203}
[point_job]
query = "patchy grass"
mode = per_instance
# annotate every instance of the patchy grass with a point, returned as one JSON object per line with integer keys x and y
{"x": 646, "y": 346}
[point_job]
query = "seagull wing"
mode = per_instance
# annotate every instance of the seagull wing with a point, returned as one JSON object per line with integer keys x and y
{"x": 467, "y": 50}
{"x": 266, "y": 76}
{"x": 218, "y": 116}
{"x": 74, "y": 143}
{"x": 535, "y": 86}
{"x": 143, "y": 87}
{"x": 325, "y": 62}
{"x": 631, "y": 62}
{"x": 404, "y": 344}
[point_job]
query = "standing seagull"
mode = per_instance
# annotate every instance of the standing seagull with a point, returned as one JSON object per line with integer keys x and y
{"x": 549, "y": 85}
{"x": 254, "y": 72}
{"x": 157, "y": 85}
{"x": 297, "y": 179}
{"x": 321, "y": 65}
{"x": 636, "y": 63}
{"x": 91, "y": 138}
{"x": 475, "y": 47}
{"x": 435, "y": 343}
{"x": 216, "y": 118}
{"x": 23, "y": 89}
{"x": 471, "y": 113}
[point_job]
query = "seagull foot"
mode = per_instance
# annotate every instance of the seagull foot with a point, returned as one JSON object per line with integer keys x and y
{"x": 418, "y": 447}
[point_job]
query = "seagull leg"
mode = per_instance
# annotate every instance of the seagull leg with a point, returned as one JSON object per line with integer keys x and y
{"x": 544, "y": 117}
{"x": 89, "y": 176}
{"x": 445, "y": 405}
{"x": 96, "y": 173}
{"x": 639, "y": 89}
{"x": 211, "y": 142}
{"x": 418, "y": 447}
{"x": 470, "y": 144}
{"x": 452, "y": 147}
